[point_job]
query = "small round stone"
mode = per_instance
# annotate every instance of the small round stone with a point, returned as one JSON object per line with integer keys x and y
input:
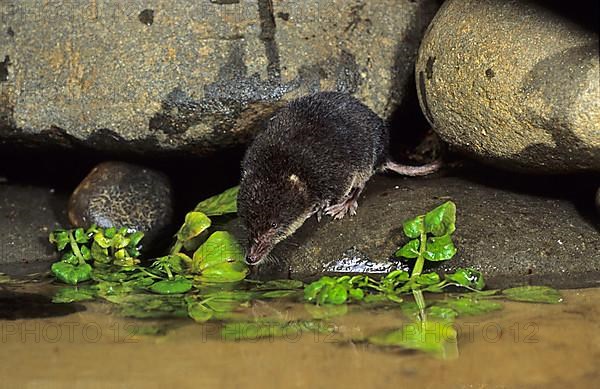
{"x": 118, "y": 194}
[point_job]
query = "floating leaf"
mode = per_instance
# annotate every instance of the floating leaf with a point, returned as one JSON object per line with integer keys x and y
{"x": 220, "y": 259}
{"x": 71, "y": 274}
{"x": 441, "y": 220}
{"x": 175, "y": 286}
{"x": 220, "y": 204}
{"x": 468, "y": 277}
{"x": 534, "y": 294}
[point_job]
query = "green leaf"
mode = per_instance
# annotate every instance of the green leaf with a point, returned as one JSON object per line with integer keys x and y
{"x": 99, "y": 253}
{"x": 175, "y": 286}
{"x": 102, "y": 240}
{"x": 468, "y": 277}
{"x": 534, "y": 294}
{"x": 195, "y": 224}
{"x": 439, "y": 248}
{"x": 413, "y": 228}
{"x": 220, "y": 204}
{"x": 441, "y": 220}
{"x": 110, "y": 232}
{"x": 220, "y": 259}
{"x": 426, "y": 279}
{"x": 73, "y": 294}
{"x": 85, "y": 253}
{"x": 437, "y": 338}
{"x": 337, "y": 295}
{"x": 409, "y": 250}
{"x": 80, "y": 236}
{"x": 120, "y": 241}
{"x": 71, "y": 274}
{"x": 60, "y": 238}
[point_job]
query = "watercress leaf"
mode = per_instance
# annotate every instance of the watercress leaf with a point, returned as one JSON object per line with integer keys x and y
{"x": 110, "y": 232}
{"x": 195, "y": 224}
{"x": 467, "y": 277}
{"x": 398, "y": 275}
{"x": 85, "y": 253}
{"x": 441, "y": 220}
{"x": 439, "y": 248}
{"x": 223, "y": 272}
{"x": 409, "y": 250}
{"x": 394, "y": 297}
{"x": 175, "y": 286}
{"x": 220, "y": 204}
{"x": 356, "y": 294}
{"x": 71, "y": 274}
{"x": 312, "y": 290}
{"x": 534, "y": 294}
{"x": 102, "y": 240}
{"x": 60, "y": 238}
{"x": 99, "y": 253}
{"x": 120, "y": 241}
{"x": 80, "y": 235}
{"x": 220, "y": 259}
{"x": 135, "y": 239}
{"x": 375, "y": 298}
{"x": 337, "y": 295}
{"x": 199, "y": 312}
{"x": 413, "y": 228}
{"x": 69, "y": 257}
{"x": 427, "y": 279}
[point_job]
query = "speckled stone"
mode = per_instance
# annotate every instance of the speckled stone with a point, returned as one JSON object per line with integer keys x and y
{"x": 513, "y": 235}
{"x": 123, "y": 195}
{"x": 514, "y": 83}
{"x": 192, "y": 76}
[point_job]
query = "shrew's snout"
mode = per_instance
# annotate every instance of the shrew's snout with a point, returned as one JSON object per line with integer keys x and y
{"x": 257, "y": 252}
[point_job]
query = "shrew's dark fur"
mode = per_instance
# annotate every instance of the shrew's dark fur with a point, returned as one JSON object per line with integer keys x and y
{"x": 315, "y": 156}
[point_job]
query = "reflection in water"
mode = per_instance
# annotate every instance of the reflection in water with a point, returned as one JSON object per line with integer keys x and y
{"x": 521, "y": 345}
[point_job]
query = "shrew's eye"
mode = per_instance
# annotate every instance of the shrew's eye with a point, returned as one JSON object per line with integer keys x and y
{"x": 274, "y": 225}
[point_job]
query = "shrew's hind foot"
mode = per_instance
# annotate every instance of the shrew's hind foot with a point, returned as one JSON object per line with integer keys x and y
{"x": 347, "y": 206}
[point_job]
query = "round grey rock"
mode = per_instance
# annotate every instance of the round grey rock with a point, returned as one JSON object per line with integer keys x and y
{"x": 514, "y": 84}
{"x": 192, "y": 76}
{"x": 118, "y": 194}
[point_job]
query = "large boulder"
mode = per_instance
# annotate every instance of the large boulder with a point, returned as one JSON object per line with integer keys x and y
{"x": 515, "y": 83}
{"x": 189, "y": 75}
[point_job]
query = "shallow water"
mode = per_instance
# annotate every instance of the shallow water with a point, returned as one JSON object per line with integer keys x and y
{"x": 89, "y": 346}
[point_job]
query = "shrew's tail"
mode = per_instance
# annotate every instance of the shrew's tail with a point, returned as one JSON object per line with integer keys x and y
{"x": 407, "y": 170}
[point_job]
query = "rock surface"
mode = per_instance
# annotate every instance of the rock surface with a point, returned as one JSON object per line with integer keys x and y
{"x": 514, "y": 236}
{"x": 192, "y": 76}
{"x": 516, "y": 84}
{"x": 27, "y": 216}
{"x": 119, "y": 194}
